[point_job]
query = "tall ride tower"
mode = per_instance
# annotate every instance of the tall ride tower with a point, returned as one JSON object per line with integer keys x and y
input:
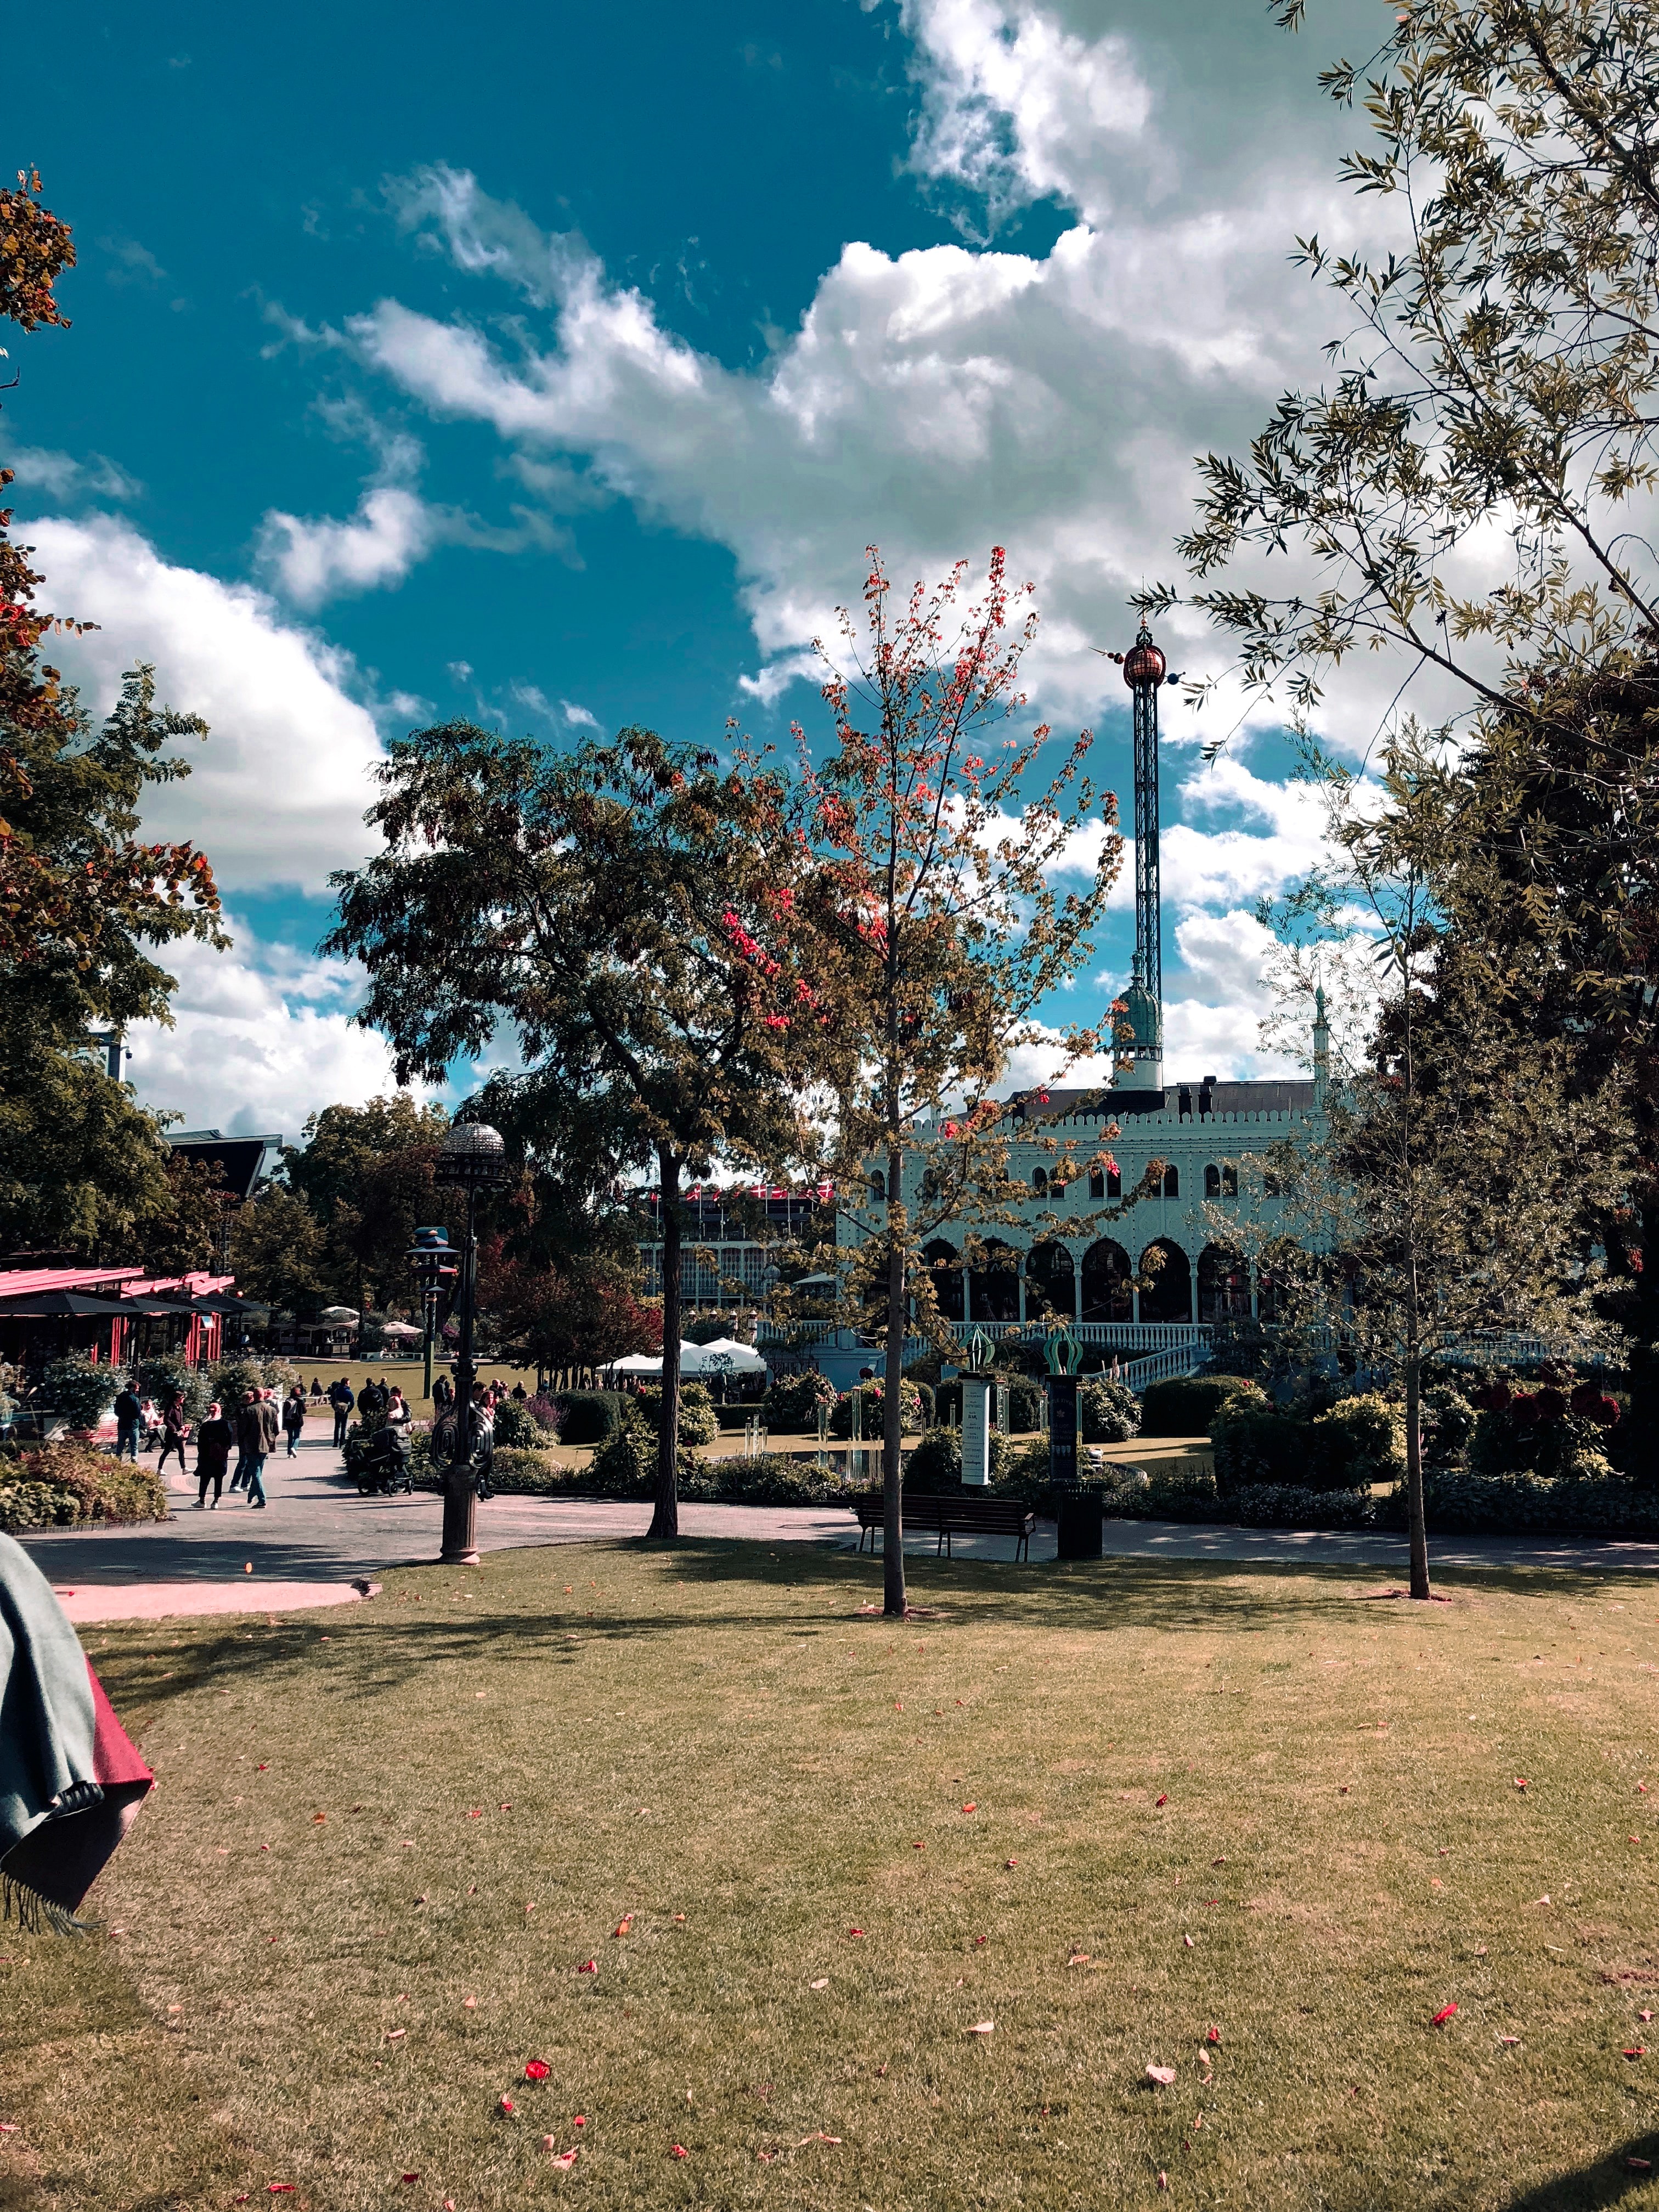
{"x": 1141, "y": 1060}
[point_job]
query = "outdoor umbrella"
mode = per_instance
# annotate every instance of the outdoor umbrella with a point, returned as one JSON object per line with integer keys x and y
{"x": 55, "y": 1305}
{"x": 337, "y": 1313}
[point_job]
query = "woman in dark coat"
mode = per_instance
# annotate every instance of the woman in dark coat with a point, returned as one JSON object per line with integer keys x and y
{"x": 213, "y": 1442}
{"x": 176, "y": 1428}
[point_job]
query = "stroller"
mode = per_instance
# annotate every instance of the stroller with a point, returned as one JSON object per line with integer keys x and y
{"x": 378, "y": 1465}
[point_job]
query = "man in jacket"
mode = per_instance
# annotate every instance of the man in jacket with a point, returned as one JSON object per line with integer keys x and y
{"x": 256, "y": 1438}
{"x": 340, "y": 1396}
{"x": 128, "y": 1413}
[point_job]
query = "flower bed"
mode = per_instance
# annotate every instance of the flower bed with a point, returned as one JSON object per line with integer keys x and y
{"x": 68, "y": 1486}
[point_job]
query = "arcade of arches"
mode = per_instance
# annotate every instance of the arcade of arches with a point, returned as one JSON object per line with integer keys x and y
{"x": 1105, "y": 1291}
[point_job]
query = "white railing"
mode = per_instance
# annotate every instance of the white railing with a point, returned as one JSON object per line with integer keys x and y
{"x": 1179, "y": 1359}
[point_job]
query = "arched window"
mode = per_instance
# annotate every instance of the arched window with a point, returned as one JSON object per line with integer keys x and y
{"x": 1107, "y": 1295}
{"x": 1166, "y": 1282}
{"x": 1171, "y": 1182}
{"x": 879, "y": 1185}
{"x": 1096, "y": 1183}
{"x": 1050, "y": 1282}
{"x": 1057, "y": 1190}
{"x": 943, "y": 1263}
{"x": 1223, "y": 1285}
{"x": 993, "y": 1283}
{"x": 1114, "y": 1182}
{"x": 1213, "y": 1182}
{"x": 1039, "y": 1181}
{"x": 1229, "y": 1179}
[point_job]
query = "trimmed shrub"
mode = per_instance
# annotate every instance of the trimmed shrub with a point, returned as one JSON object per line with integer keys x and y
{"x": 243, "y": 1372}
{"x": 769, "y": 1480}
{"x": 792, "y": 1402}
{"x": 1254, "y": 1442}
{"x": 591, "y": 1416}
{"x": 60, "y": 1484}
{"x": 699, "y": 1423}
{"x": 1107, "y": 1412}
{"x": 1185, "y": 1405}
{"x": 81, "y": 1390}
{"x": 518, "y": 1474}
{"x": 914, "y": 1410}
{"x": 515, "y": 1428}
{"x": 1458, "y": 1504}
{"x": 159, "y": 1378}
{"x": 935, "y": 1460}
{"x": 547, "y": 1414}
{"x": 1359, "y": 1440}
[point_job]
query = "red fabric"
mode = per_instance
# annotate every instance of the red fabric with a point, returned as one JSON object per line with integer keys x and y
{"x": 114, "y": 1759}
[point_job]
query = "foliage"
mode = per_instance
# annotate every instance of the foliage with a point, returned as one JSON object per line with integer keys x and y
{"x": 914, "y": 1408}
{"x": 81, "y": 1389}
{"x": 365, "y": 1177}
{"x": 699, "y": 1423}
{"x": 1024, "y": 1403}
{"x": 230, "y": 1380}
{"x": 1348, "y": 1446}
{"x": 791, "y": 1402}
{"x": 935, "y": 1459}
{"x": 1185, "y": 1405}
{"x": 1356, "y": 1441}
{"x": 1107, "y": 1412}
{"x": 279, "y": 1251}
{"x": 60, "y": 1484}
{"x": 548, "y": 1414}
{"x": 936, "y": 935}
{"x": 517, "y": 1428}
{"x": 1536, "y": 1432}
{"x": 591, "y": 1416}
{"x": 627, "y": 1466}
{"x": 585, "y": 1313}
{"x": 166, "y": 1372}
{"x": 604, "y": 906}
{"x": 1466, "y": 1504}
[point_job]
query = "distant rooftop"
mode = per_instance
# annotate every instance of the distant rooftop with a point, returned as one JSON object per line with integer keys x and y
{"x": 1277, "y": 1095}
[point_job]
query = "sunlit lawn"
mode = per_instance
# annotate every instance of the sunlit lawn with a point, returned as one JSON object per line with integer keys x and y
{"x": 1104, "y": 1809}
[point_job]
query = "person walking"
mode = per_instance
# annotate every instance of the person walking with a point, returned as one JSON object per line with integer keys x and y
{"x": 128, "y": 1411}
{"x": 175, "y": 1431}
{"x": 442, "y": 1393}
{"x": 340, "y": 1397}
{"x": 294, "y": 1418}
{"x": 213, "y": 1442}
{"x": 256, "y": 1436}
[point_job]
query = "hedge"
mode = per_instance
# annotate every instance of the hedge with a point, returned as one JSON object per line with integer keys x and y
{"x": 1457, "y": 1503}
{"x": 59, "y": 1486}
{"x": 1185, "y": 1405}
{"x": 592, "y": 1415}
{"x": 791, "y": 1402}
{"x": 916, "y": 1406}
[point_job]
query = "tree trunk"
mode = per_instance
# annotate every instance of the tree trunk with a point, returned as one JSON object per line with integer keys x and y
{"x": 665, "y": 1515}
{"x": 892, "y": 1411}
{"x": 1420, "y": 1537}
{"x": 1642, "y": 1442}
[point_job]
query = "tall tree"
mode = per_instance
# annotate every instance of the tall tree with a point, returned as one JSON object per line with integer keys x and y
{"x": 1470, "y": 494}
{"x": 937, "y": 929}
{"x": 1459, "y": 1186}
{"x": 604, "y": 907}
{"x": 84, "y": 903}
{"x": 365, "y": 1173}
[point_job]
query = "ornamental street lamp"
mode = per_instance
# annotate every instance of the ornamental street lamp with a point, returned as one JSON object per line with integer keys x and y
{"x": 471, "y": 1159}
{"x": 433, "y": 1261}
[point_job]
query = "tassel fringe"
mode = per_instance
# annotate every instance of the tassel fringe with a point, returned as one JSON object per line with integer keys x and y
{"x": 34, "y": 1914}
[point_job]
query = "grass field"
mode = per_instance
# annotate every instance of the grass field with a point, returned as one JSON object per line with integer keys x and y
{"x": 1106, "y": 1809}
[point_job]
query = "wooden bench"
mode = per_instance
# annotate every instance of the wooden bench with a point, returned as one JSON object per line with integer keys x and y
{"x": 966, "y": 1513}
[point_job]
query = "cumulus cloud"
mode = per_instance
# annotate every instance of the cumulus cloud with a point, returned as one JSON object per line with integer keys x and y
{"x": 70, "y": 479}
{"x": 261, "y": 1038}
{"x": 316, "y": 560}
{"x": 276, "y": 794}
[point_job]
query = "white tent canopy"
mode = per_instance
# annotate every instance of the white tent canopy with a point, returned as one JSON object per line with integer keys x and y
{"x": 725, "y": 1356}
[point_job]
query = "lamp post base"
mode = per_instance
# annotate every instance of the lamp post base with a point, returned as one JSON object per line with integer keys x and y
{"x": 460, "y": 1545}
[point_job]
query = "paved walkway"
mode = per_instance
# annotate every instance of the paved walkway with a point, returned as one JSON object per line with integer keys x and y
{"x": 318, "y": 1535}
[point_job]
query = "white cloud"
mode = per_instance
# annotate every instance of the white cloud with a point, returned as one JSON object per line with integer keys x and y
{"x": 41, "y": 473}
{"x": 276, "y": 794}
{"x": 317, "y": 559}
{"x": 262, "y": 1038}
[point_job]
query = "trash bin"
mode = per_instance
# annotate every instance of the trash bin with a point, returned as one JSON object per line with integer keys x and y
{"x": 1082, "y": 1525}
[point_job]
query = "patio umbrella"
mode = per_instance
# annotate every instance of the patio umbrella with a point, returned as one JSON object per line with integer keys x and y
{"x": 337, "y": 1313}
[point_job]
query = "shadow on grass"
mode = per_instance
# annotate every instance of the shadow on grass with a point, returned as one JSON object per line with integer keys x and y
{"x": 386, "y": 1642}
{"x": 1609, "y": 2180}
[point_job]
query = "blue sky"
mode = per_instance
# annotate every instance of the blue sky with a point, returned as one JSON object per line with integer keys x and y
{"x": 554, "y": 365}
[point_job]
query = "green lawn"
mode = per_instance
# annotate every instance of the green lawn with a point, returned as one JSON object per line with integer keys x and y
{"x": 1151, "y": 1800}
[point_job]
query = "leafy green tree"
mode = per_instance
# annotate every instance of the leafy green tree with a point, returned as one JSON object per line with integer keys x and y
{"x": 936, "y": 935}
{"x": 1469, "y": 494}
{"x": 83, "y": 903}
{"x": 279, "y": 1250}
{"x": 366, "y": 1174}
{"x": 603, "y": 907}
{"x": 1459, "y": 1185}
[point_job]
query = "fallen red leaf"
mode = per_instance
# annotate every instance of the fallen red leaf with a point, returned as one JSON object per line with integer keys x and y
{"x": 475, "y": 1812}
{"x": 265, "y": 1769}
{"x": 1640, "y": 2165}
{"x": 567, "y": 2159}
{"x": 1162, "y": 2180}
{"x": 1164, "y": 1799}
{"x": 679, "y": 2150}
{"x": 1011, "y": 1862}
{"x": 1520, "y": 1782}
{"x": 536, "y": 2069}
{"x": 1637, "y": 2050}
{"x": 855, "y": 1931}
{"x": 508, "y": 2105}
{"x": 408, "y": 2177}
{"x": 918, "y": 1847}
{"x": 592, "y": 1968}
{"x": 1445, "y": 2014}
{"x": 580, "y": 2120}
{"x": 980, "y": 1939}
{"x": 1214, "y": 2035}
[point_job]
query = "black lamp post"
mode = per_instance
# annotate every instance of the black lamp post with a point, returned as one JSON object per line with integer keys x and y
{"x": 433, "y": 1261}
{"x": 472, "y": 1159}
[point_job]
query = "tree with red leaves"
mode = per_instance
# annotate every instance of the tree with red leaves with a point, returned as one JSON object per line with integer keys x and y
{"x": 938, "y": 931}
